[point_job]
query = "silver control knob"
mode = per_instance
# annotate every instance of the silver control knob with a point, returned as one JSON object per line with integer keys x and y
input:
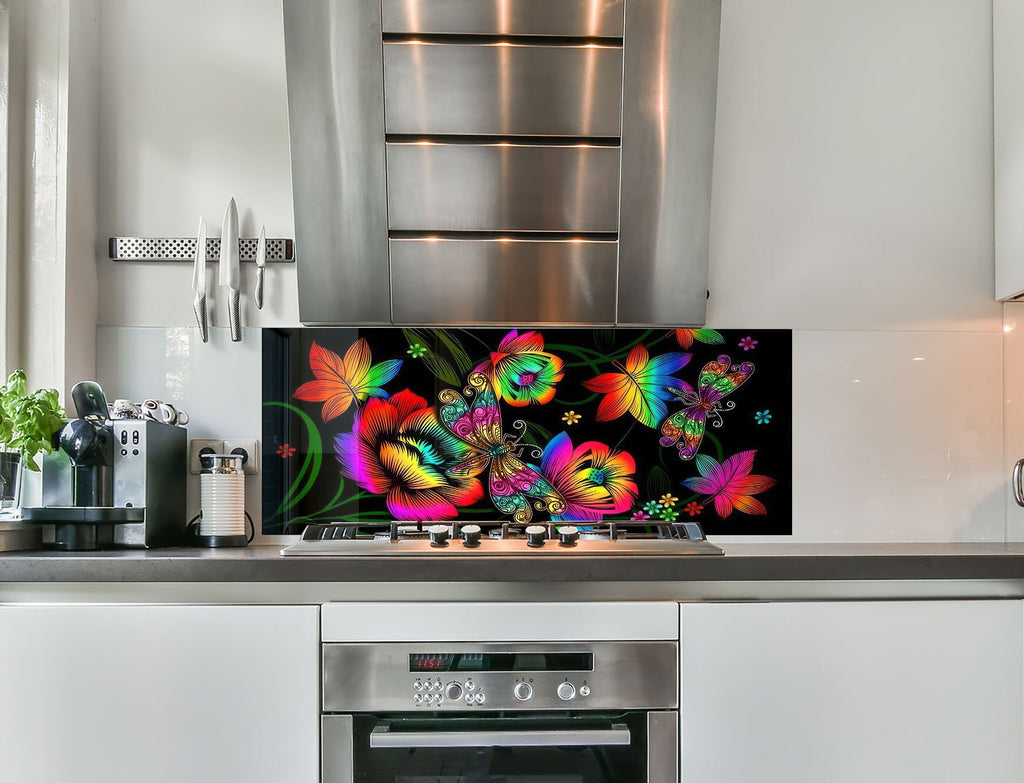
{"x": 535, "y": 535}
{"x": 568, "y": 535}
{"x": 470, "y": 685}
{"x": 453, "y": 691}
{"x": 417, "y": 699}
{"x": 438, "y": 535}
{"x": 523, "y": 691}
{"x": 479, "y": 698}
{"x": 417, "y": 685}
{"x": 471, "y": 536}
{"x": 566, "y": 691}
{"x": 584, "y": 690}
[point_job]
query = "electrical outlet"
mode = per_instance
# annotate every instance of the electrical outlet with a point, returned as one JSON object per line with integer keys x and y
{"x": 250, "y": 450}
{"x": 196, "y": 446}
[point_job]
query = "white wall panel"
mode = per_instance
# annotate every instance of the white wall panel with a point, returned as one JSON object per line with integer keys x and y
{"x": 194, "y": 111}
{"x": 897, "y": 436}
{"x": 853, "y": 166}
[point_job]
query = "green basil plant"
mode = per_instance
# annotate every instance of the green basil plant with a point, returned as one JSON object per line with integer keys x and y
{"x": 28, "y": 421}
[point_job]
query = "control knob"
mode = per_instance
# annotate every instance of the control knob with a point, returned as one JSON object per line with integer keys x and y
{"x": 438, "y": 535}
{"x": 471, "y": 535}
{"x": 453, "y": 692}
{"x": 523, "y": 691}
{"x": 535, "y": 535}
{"x": 568, "y": 535}
{"x": 566, "y": 691}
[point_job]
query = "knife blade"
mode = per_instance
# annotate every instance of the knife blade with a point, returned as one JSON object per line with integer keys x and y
{"x": 261, "y": 262}
{"x": 199, "y": 282}
{"x": 229, "y": 274}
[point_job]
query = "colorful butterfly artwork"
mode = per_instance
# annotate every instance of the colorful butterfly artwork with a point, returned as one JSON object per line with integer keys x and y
{"x": 511, "y": 480}
{"x": 717, "y": 379}
{"x": 340, "y": 382}
{"x": 642, "y": 388}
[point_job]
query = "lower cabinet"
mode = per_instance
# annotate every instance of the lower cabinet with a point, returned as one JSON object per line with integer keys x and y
{"x": 858, "y": 692}
{"x": 196, "y": 694}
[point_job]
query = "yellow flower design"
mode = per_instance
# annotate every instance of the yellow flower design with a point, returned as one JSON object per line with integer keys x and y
{"x": 572, "y": 417}
{"x": 668, "y": 500}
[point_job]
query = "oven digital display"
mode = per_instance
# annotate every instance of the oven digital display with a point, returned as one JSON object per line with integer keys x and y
{"x": 502, "y": 662}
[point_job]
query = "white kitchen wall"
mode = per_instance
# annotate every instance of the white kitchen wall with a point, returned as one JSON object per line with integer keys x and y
{"x": 852, "y": 203}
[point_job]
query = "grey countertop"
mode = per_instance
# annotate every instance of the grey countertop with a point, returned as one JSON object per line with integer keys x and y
{"x": 741, "y": 563}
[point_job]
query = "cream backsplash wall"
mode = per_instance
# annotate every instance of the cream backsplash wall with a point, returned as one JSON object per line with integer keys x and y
{"x": 852, "y": 203}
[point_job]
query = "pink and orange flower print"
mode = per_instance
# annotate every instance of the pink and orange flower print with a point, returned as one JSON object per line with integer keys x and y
{"x": 521, "y": 372}
{"x": 593, "y": 479}
{"x": 399, "y": 448}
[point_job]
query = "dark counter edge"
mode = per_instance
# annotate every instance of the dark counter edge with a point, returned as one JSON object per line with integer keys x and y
{"x": 741, "y": 563}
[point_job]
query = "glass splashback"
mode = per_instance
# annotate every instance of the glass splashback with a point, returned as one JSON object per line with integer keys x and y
{"x": 529, "y": 424}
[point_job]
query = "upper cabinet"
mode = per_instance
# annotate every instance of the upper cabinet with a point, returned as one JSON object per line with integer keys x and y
{"x": 1008, "y": 127}
{"x": 487, "y": 162}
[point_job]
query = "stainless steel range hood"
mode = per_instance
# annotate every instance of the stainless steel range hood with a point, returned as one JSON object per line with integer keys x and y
{"x": 502, "y": 161}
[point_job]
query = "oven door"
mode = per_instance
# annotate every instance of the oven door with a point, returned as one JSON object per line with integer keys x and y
{"x": 630, "y": 747}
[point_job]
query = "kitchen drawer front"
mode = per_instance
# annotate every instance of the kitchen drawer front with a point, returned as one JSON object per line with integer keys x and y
{"x": 591, "y": 18}
{"x": 502, "y": 89}
{"x": 503, "y": 281}
{"x": 502, "y": 187}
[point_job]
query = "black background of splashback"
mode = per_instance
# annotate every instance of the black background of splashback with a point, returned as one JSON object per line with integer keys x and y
{"x": 769, "y": 388}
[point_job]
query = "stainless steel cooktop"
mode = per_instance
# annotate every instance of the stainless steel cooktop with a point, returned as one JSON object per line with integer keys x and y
{"x": 425, "y": 539}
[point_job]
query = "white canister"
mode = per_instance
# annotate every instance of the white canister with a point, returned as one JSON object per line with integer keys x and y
{"x": 222, "y": 500}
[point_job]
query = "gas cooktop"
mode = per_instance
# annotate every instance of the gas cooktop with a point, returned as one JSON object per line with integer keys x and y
{"x": 424, "y": 539}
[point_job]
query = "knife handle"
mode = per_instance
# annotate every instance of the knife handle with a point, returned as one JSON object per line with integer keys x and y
{"x": 235, "y": 317}
{"x": 199, "y": 305}
{"x": 258, "y": 293}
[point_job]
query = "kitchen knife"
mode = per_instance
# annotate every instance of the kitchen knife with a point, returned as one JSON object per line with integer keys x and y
{"x": 229, "y": 275}
{"x": 261, "y": 262}
{"x": 199, "y": 282}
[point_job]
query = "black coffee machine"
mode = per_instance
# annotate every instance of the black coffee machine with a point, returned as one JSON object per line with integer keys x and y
{"x": 112, "y": 482}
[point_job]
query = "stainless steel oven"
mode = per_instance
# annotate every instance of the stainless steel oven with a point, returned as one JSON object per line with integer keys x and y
{"x": 521, "y": 712}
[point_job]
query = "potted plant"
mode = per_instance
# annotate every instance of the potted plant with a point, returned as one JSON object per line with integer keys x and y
{"x": 28, "y": 423}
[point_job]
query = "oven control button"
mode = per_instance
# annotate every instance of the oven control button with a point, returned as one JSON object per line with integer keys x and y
{"x": 438, "y": 698}
{"x": 470, "y": 685}
{"x": 535, "y": 535}
{"x": 453, "y": 691}
{"x": 566, "y": 691}
{"x": 479, "y": 698}
{"x": 469, "y": 699}
{"x": 438, "y": 535}
{"x": 417, "y": 699}
{"x": 523, "y": 691}
{"x": 418, "y": 686}
{"x": 568, "y": 535}
{"x": 471, "y": 536}
{"x": 584, "y": 690}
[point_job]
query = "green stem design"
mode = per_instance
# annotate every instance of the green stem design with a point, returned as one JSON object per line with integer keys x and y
{"x": 310, "y": 469}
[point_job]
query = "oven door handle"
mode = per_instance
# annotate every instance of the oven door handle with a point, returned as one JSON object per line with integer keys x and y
{"x": 383, "y": 737}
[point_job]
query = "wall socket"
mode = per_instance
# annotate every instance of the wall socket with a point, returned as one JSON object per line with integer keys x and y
{"x": 249, "y": 446}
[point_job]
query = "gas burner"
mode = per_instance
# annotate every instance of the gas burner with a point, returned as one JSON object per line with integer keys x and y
{"x": 500, "y": 538}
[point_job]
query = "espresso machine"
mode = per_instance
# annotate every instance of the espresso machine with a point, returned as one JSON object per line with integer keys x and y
{"x": 114, "y": 482}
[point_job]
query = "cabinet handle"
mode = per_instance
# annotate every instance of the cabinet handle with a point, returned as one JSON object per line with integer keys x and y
{"x": 1018, "y": 486}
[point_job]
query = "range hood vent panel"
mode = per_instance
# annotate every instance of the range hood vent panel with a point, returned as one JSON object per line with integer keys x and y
{"x": 431, "y": 139}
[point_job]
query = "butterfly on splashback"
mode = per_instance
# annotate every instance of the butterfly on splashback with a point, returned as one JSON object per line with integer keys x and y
{"x": 716, "y": 380}
{"x": 478, "y": 425}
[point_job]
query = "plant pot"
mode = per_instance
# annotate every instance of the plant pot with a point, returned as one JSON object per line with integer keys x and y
{"x": 11, "y": 469}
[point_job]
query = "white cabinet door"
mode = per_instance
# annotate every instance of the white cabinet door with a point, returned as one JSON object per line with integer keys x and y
{"x": 1008, "y": 127}
{"x": 189, "y": 694}
{"x": 882, "y": 692}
